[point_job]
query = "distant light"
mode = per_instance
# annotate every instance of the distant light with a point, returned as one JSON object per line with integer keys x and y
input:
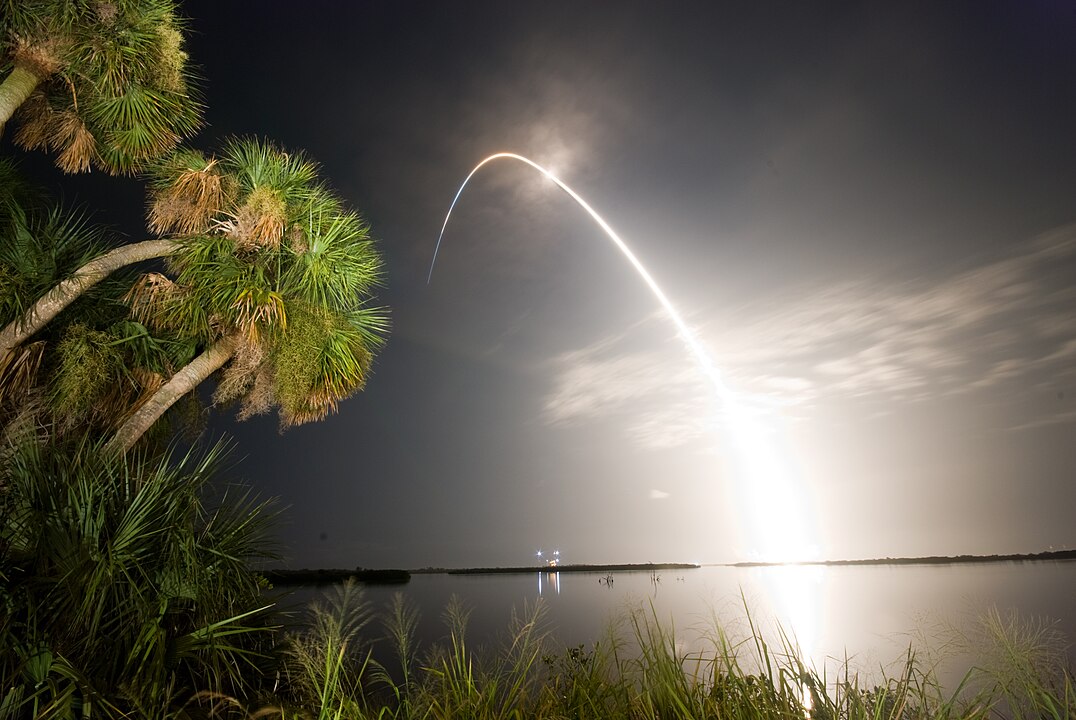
{"x": 766, "y": 476}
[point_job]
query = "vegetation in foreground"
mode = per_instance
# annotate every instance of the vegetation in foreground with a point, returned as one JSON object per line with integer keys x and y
{"x": 128, "y": 593}
{"x": 126, "y": 588}
{"x": 639, "y": 671}
{"x": 126, "y": 583}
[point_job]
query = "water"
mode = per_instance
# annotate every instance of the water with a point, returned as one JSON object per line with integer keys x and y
{"x": 869, "y": 614}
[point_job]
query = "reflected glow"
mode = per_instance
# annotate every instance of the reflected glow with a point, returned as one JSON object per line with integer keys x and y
{"x": 554, "y": 582}
{"x": 770, "y": 497}
{"x": 794, "y": 593}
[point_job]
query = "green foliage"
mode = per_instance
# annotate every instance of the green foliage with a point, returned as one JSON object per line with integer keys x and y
{"x": 115, "y": 89}
{"x": 88, "y": 366}
{"x": 323, "y": 359}
{"x": 39, "y": 249}
{"x": 278, "y": 259}
{"x": 125, "y": 590}
{"x": 255, "y": 163}
{"x": 16, "y": 195}
{"x": 642, "y": 675}
{"x": 401, "y": 623}
{"x": 212, "y": 280}
{"x": 322, "y": 249}
{"x": 326, "y": 663}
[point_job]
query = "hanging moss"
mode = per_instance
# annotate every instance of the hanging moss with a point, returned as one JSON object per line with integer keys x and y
{"x": 87, "y": 369}
{"x": 322, "y": 361}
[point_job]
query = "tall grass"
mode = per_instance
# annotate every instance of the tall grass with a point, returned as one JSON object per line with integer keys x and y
{"x": 125, "y": 592}
{"x": 639, "y": 671}
{"x": 326, "y": 664}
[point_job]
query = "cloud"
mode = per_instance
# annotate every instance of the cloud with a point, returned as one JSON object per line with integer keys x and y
{"x": 661, "y": 403}
{"x": 656, "y": 494}
{"x": 994, "y": 327}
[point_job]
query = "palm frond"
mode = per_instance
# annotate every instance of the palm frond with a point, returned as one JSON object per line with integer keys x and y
{"x": 18, "y": 372}
{"x": 337, "y": 264}
{"x": 321, "y": 359}
{"x": 138, "y": 125}
{"x": 43, "y": 250}
{"x": 259, "y": 163}
{"x": 128, "y": 585}
{"x": 16, "y": 194}
{"x": 35, "y": 120}
{"x": 119, "y": 66}
{"x": 77, "y": 145}
{"x": 186, "y": 193}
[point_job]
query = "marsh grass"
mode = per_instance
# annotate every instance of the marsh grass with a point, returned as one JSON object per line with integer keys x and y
{"x": 126, "y": 592}
{"x": 639, "y": 670}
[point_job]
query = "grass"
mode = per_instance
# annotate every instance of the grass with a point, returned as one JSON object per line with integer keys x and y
{"x": 638, "y": 671}
{"x": 126, "y": 592}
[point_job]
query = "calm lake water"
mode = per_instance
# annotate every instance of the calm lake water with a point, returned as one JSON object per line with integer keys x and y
{"x": 869, "y": 613}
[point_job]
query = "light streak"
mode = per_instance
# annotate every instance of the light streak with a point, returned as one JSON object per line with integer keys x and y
{"x": 774, "y": 504}
{"x": 685, "y": 333}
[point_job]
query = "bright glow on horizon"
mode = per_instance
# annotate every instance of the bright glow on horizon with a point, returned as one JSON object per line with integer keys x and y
{"x": 764, "y": 469}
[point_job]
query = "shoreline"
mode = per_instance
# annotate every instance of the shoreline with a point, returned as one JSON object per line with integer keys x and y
{"x": 1048, "y": 556}
{"x": 324, "y": 576}
{"x": 321, "y": 576}
{"x": 606, "y": 568}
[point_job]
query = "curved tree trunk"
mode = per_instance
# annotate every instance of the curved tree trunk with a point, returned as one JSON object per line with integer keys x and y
{"x": 14, "y": 90}
{"x": 190, "y": 377}
{"x": 66, "y": 292}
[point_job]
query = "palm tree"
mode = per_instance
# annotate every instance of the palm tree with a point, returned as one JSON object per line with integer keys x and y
{"x": 272, "y": 277}
{"x": 101, "y": 82}
{"x": 270, "y": 274}
{"x": 34, "y": 315}
{"x": 89, "y": 364}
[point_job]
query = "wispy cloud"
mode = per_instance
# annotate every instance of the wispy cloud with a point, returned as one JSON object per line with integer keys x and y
{"x": 982, "y": 329}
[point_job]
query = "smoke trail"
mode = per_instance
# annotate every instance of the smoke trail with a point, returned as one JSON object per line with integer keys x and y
{"x": 772, "y": 499}
{"x": 686, "y": 335}
{"x": 769, "y": 495}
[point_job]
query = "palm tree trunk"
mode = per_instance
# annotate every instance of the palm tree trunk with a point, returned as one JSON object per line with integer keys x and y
{"x": 187, "y": 379}
{"x": 66, "y": 292}
{"x": 14, "y": 90}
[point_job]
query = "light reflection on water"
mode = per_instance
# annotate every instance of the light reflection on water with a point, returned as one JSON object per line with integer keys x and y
{"x": 868, "y": 614}
{"x": 552, "y": 579}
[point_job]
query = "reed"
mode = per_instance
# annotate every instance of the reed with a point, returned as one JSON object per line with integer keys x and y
{"x": 639, "y": 671}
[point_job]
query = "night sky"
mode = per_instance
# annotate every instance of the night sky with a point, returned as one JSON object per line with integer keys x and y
{"x": 865, "y": 212}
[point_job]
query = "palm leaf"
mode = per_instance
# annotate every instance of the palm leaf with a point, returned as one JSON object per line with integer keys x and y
{"x": 137, "y": 587}
{"x": 337, "y": 263}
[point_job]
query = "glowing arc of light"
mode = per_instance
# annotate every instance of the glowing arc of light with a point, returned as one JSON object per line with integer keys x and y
{"x": 767, "y": 478}
{"x": 685, "y": 332}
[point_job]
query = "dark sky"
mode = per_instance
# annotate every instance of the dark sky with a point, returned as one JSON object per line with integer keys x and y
{"x": 864, "y": 211}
